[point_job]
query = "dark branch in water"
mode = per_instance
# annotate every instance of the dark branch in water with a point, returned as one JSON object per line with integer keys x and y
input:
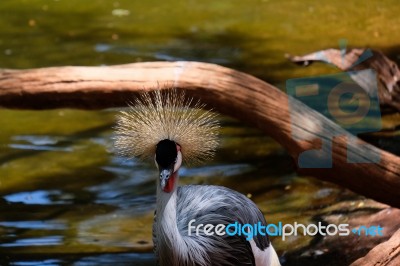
{"x": 387, "y": 71}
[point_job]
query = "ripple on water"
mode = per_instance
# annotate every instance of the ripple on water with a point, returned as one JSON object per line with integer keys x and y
{"x": 36, "y": 241}
{"x": 41, "y": 197}
{"x": 44, "y": 225}
{"x": 50, "y": 262}
{"x": 40, "y": 143}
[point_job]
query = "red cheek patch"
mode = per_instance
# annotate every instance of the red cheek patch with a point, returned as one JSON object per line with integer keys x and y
{"x": 170, "y": 183}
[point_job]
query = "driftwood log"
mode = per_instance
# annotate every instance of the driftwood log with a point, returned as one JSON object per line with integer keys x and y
{"x": 344, "y": 250}
{"x": 384, "y": 254}
{"x": 227, "y": 91}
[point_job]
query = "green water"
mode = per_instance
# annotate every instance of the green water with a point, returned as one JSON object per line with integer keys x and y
{"x": 67, "y": 199}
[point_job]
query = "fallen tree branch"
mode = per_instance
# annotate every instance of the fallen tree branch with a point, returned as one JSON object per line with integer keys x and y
{"x": 384, "y": 254}
{"x": 359, "y": 214}
{"x": 228, "y": 91}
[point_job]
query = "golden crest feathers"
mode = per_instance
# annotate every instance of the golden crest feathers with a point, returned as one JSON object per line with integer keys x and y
{"x": 167, "y": 114}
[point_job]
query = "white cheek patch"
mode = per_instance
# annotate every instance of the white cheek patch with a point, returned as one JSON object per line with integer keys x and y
{"x": 178, "y": 163}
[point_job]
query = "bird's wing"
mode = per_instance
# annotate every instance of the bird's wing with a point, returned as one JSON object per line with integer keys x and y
{"x": 219, "y": 205}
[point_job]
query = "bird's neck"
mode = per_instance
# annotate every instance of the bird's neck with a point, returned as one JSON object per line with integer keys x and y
{"x": 166, "y": 201}
{"x": 167, "y": 233}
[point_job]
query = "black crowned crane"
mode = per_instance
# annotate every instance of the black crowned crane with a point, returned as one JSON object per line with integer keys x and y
{"x": 162, "y": 126}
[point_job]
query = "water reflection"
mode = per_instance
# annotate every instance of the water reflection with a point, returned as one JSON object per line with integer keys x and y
{"x": 35, "y": 225}
{"x": 176, "y": 50}
{"x": 38, "y": 241}
{"x": 52, "y": 262}
{"x": 41, "y": 197}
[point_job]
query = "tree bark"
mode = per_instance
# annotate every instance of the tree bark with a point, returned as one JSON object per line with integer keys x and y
{"x": 384, "y": 254}
{"x": 228, "y": 91}
{"x": 359, "y": 214}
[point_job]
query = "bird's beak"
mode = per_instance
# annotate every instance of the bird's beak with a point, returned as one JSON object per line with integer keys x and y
{"x": 165, "y": 174}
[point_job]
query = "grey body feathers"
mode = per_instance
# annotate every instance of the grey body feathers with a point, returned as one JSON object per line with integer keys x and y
{"x": 208, "y": 205}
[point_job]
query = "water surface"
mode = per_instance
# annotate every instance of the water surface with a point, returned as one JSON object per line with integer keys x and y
{"x": 67, "y": 199}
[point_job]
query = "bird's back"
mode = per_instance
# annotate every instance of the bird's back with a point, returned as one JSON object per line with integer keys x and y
{"x": 217, "y": 205}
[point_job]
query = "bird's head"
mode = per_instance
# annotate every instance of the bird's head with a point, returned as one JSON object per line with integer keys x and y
{"x": 169, "y": 128}
{"x": 168, "y": 160}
